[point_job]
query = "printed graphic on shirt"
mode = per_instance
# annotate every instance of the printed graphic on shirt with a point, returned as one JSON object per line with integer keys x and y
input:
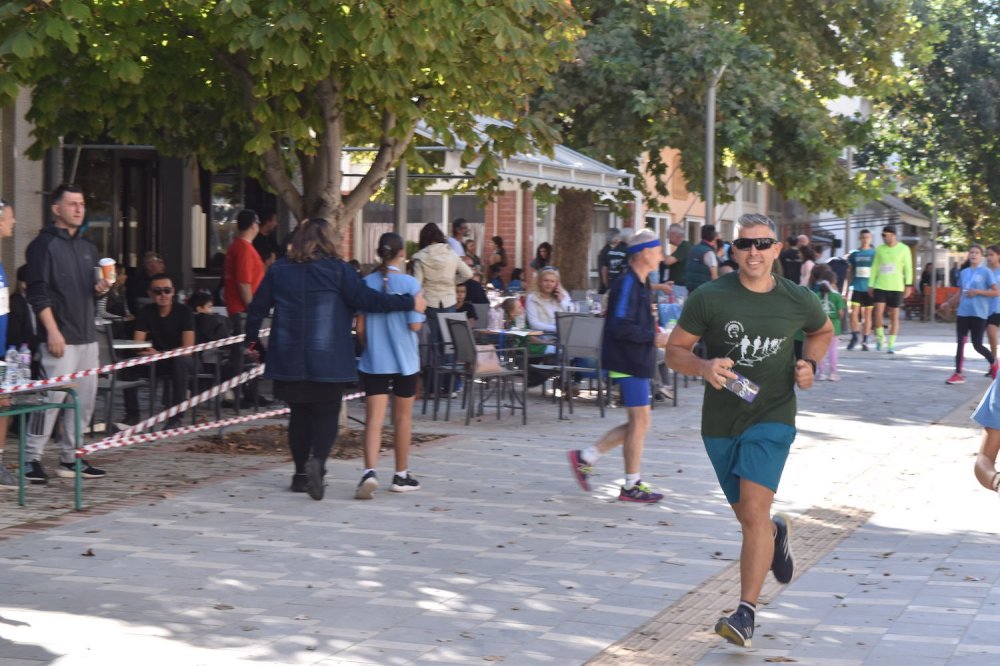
{"x": 748, "y": 350}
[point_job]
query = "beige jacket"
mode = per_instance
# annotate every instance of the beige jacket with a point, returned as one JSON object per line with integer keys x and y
{"x": 439, "y": 269}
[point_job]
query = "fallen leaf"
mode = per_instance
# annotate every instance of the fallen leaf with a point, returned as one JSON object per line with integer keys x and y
{"x": 223, "y": 607}
{"x": 88, "y": 553}
{"x": 780, "y": 660}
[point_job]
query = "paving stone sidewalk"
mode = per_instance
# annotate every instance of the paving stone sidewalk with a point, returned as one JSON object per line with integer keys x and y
{"x": 500, "y": 558}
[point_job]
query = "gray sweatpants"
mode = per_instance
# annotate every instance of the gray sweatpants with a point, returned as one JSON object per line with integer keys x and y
{"x": 76, "y": 357}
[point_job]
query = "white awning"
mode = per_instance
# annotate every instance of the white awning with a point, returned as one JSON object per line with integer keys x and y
{"x": 907, "y": 214}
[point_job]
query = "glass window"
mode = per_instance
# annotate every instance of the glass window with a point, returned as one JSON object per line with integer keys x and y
{"x": 468, "y": 206}
{"x": 95, "y": 174}
{"x": 750, "y": 190}
{"x": 227, "y": 201}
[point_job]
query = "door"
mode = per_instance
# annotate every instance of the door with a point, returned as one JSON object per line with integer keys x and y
{"x": 138, "y": 229}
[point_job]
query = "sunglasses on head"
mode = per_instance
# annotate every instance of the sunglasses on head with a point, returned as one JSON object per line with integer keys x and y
{"x": 162, "y": 291}
{"x": 760, "y": 243}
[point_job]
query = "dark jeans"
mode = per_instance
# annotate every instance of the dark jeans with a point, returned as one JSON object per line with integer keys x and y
{"x": 178, "y": 370}
{"x": 312, "y": 431}
{"x": 236, "y": 358}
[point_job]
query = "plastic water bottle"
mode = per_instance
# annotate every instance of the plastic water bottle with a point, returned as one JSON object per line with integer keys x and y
{"x": 13, "y": 376}
{"x": 24, "y": 363}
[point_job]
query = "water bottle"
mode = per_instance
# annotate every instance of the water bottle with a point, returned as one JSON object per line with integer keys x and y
{"x": 12, "y": 377}
{"x": 24, "y": 362}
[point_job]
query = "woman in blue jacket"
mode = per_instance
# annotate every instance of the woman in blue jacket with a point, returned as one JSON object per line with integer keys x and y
{"x": 310, "y": 352}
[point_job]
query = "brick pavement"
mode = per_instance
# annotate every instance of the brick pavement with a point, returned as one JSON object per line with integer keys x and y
{"x": 500, "y": 558}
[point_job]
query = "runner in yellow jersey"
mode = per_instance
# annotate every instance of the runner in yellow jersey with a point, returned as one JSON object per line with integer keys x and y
{"x": 890, "y": 284}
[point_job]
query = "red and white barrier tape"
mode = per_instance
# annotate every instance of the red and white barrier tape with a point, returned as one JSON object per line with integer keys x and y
{"x": 190, "y": 402}
{"x": 132, "y": 362}
{"x": 116, "y": 442}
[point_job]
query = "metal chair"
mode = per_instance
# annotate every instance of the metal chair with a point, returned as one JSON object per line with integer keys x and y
{"x": 482, "y": 315}
{"x": 582, "y": 336}
{"x": 438, "y": 364}
{"x": 108, "y": 383}
{"x": 466, "y": 357}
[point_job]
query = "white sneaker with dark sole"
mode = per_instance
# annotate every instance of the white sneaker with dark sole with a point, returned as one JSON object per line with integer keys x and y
{"x": 366, "y": 487}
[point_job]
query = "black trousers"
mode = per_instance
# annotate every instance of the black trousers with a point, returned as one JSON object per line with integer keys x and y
{"x": 974, "y": 328}
{"x": 312, "y": 430}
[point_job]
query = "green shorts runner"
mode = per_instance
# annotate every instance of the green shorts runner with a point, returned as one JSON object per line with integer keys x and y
{"x": 758, "y": 454}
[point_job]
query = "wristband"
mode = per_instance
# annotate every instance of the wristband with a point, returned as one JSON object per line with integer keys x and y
{"x": 812, "y": 363}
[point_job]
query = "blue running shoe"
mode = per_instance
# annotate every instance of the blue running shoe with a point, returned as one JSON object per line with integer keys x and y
{"x": 782, "y": 564}
{"x": 737, "y": 628}
{"x": 640, "y": 492}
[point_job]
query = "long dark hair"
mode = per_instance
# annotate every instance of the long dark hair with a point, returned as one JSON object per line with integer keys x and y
{"x": 313, "y": 239}
{"x": 430, "y": 233}
{"x": 389, "y": 246}
{"x": 548, "y": 254}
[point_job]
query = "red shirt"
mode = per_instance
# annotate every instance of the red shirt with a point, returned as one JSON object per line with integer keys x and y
{"x": 243, "y": 265}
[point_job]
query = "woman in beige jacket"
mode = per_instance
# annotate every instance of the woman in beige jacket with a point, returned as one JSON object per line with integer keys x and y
{"x": 438, "y": 269}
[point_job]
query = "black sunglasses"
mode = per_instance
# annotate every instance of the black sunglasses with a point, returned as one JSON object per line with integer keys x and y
{"x": 760, "y": 243}
{"x": 162, "y": 291}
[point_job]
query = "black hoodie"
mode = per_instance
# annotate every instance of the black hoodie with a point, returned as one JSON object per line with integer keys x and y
{"x": 61, "y": 277}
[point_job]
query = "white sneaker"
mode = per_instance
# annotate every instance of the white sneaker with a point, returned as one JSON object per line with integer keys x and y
{"x": 666, "y": 392}
{"x": 366, "y": 487}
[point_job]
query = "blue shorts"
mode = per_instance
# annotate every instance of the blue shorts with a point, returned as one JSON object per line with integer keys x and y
{"x": 635, "y": 391}
{"x": 758, "y": 455}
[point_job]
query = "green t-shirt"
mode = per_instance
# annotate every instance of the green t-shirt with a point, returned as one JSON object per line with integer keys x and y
{"x": 833, "y": 305}
{"x": 757, "y": 331}
{"x": 892, "y": 269}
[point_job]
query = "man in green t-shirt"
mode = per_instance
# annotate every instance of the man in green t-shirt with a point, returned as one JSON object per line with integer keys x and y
{"x": 676, "y": 262}
{"x": 748, "y": 320}
{"x": 890, "y": 284}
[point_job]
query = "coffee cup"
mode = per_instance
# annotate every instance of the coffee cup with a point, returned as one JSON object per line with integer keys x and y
{"x": 108, "y": 269}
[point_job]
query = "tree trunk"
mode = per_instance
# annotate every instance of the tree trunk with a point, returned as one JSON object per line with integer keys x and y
{"x": 571, "y": 240}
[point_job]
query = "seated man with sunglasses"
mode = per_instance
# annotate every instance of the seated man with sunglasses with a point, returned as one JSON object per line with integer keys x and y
{"x": 168, "y": 325}
{"x": 748, "y": 321}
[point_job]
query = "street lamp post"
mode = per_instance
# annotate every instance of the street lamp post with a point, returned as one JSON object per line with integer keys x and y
{"x": 710, "y": 146}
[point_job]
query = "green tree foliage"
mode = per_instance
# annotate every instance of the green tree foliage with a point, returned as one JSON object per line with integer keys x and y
{"x": 280, "y": 87}
{"x": 639, "y": 81}
{"x": 943, "y": 133}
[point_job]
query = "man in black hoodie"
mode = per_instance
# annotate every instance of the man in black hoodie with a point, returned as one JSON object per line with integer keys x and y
{"x": 62, "y": 291}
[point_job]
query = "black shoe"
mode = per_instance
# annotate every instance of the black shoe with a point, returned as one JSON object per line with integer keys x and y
{"x": 783, "y": 564}
{"x": 264, "y": 402}
{"x": 737, "y": 628}
{"x": 853, "y": 343}
{"x": 401, "y": 485}
{"x": 131, "y": 418}
{"x": 314, "y": 478}
{"x": 68, "y": 471}
{"x": 35, "y": 473}
{"x": 298, "y": 483}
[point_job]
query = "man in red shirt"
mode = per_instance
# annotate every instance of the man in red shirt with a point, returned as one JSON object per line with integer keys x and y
{"x": 241, "y": 274}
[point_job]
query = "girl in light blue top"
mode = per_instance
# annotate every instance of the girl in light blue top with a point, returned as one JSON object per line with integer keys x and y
{"x": 390, "y": 362}
{"x": 993, "y": 321}
{"x": 978, "y": 289}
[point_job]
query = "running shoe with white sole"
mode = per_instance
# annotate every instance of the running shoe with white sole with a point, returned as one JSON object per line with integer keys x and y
{"x": 955, "y": 379}
{"x": 640, "y": 492}
{"x": 366, "y": 486}
{"x": 404, "y": 485}
{"x": 737, "y": 628}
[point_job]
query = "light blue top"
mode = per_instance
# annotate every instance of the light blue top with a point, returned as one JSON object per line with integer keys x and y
{"x": 391, "y": 348}
{"x": 995, "y": 307}
{"x": 979, "y": 277}
{"x": 987, "y": 414}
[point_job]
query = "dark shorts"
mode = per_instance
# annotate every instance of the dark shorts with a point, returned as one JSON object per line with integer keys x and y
{"x": 892, "y": 299}
{"x": 401, "y": 386}
{"x": 993, "y": 319}
{"x": 862, "y": 298}
{"x": 758, "y": 454}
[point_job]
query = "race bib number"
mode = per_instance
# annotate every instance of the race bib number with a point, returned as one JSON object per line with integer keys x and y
{"x": 887, "y": 269}
{"x": 863, "y": 272}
